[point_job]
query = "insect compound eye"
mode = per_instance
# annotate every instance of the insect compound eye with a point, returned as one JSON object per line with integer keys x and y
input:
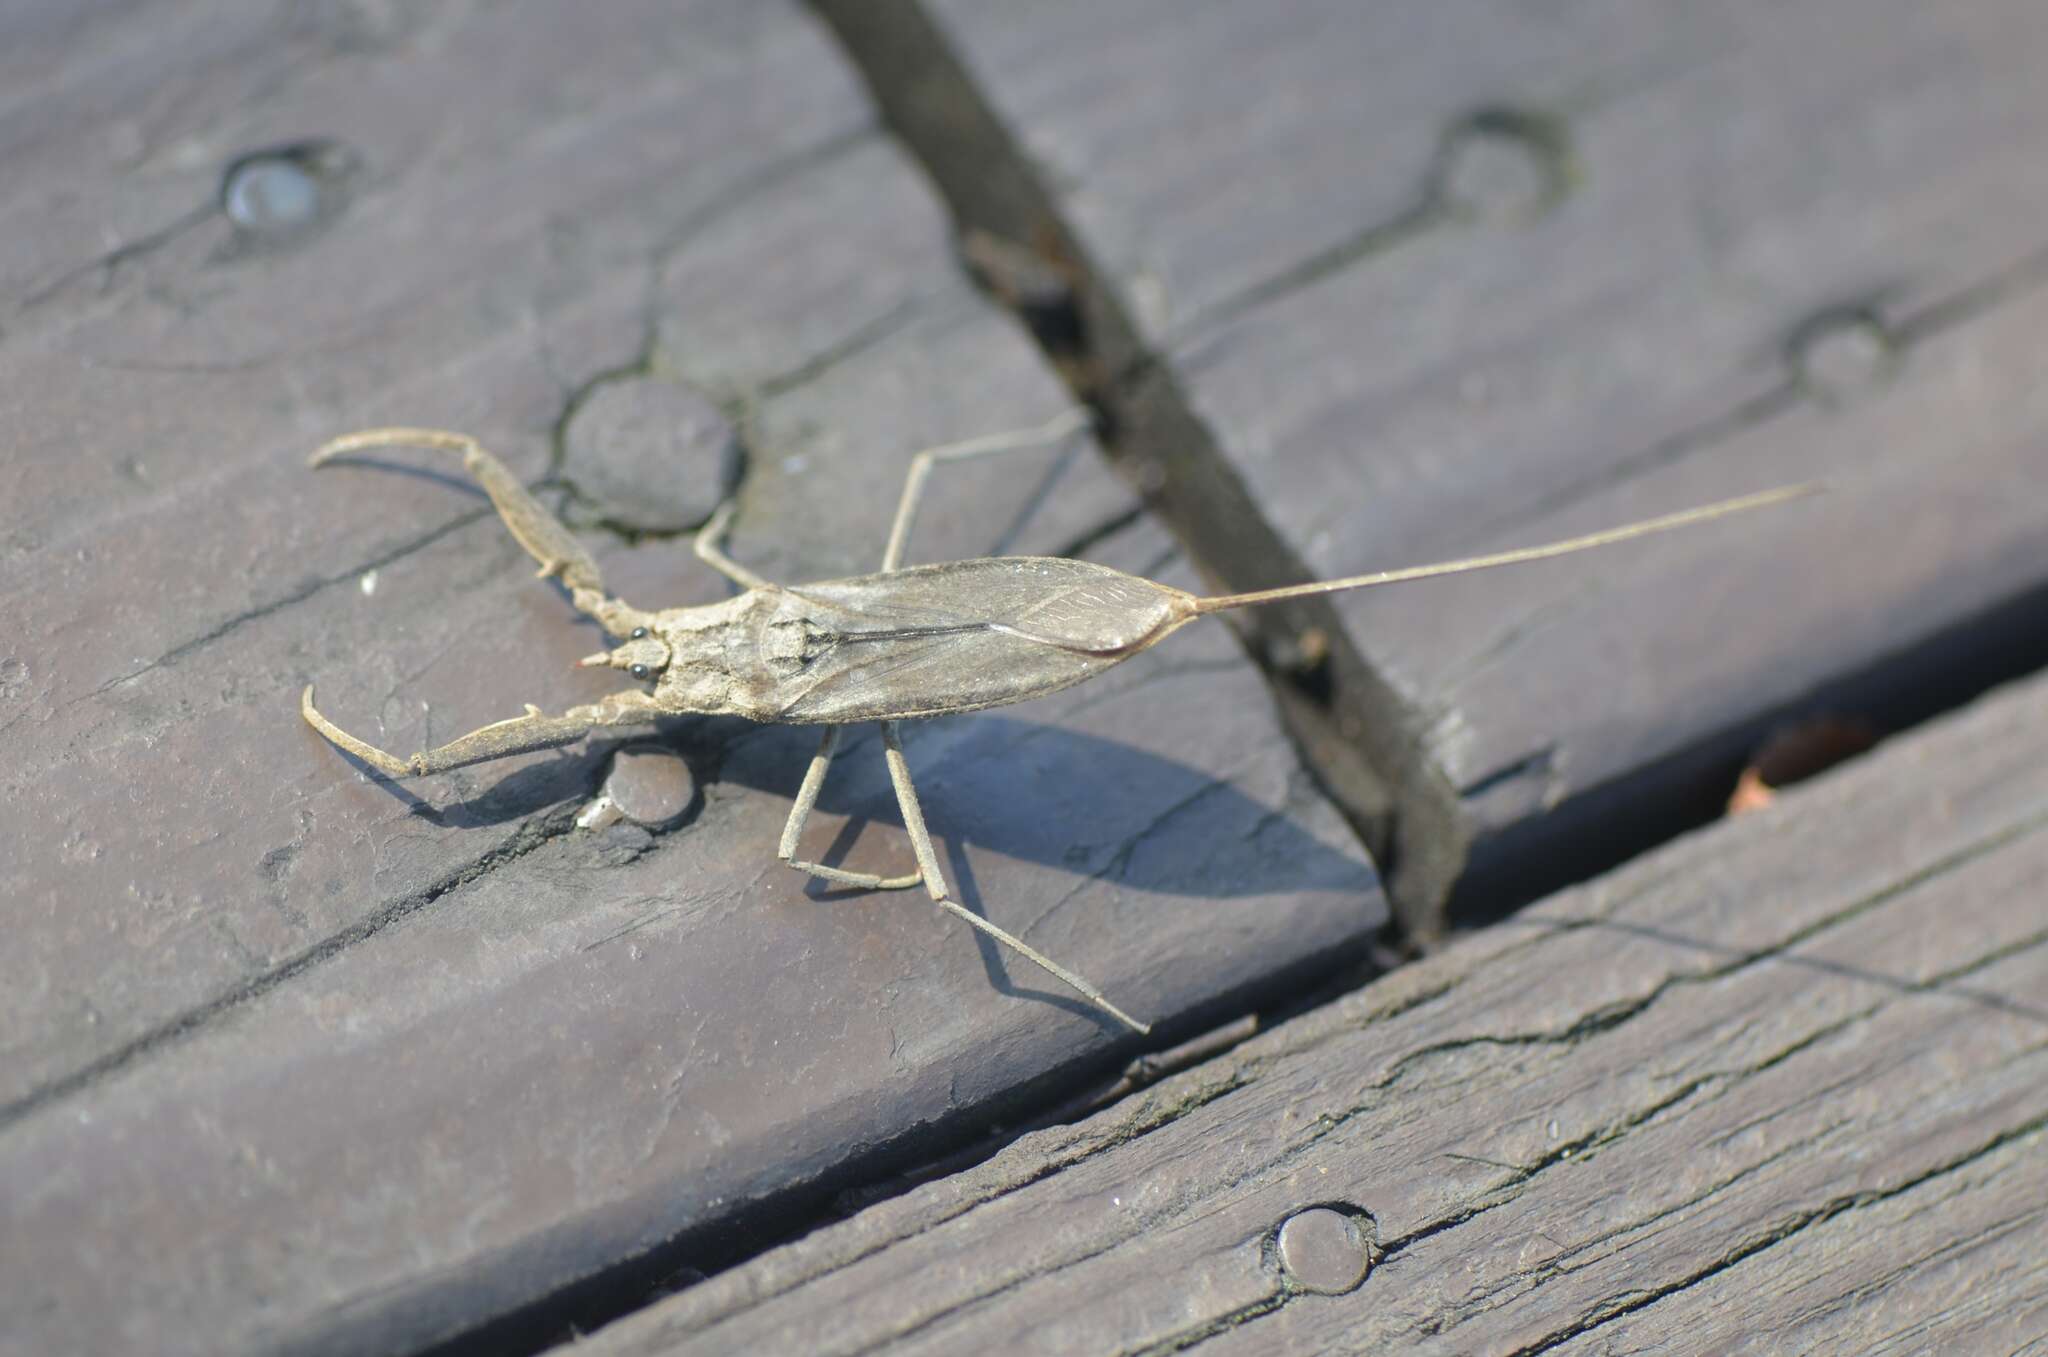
{"x": 638, "y": 671}
{"x": 639, "y": 633}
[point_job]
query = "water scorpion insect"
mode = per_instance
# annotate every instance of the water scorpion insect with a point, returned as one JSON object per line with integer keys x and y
{"x": 907, "y": 641}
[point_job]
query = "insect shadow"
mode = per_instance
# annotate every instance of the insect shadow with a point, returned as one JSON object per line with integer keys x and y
{"x": 1097, "y": 808}
{"x": 462, "y": 485}
{"x": 1100, "y": 811}
{"x": 1091, "y": 806}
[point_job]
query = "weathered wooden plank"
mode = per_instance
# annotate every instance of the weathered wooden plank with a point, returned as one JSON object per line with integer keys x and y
{"x": 1953, "y": 1263}
{"x": 1442, "y": 279}
{"x": 316, "y": 1063}
{"x": 1778, "y": 1086}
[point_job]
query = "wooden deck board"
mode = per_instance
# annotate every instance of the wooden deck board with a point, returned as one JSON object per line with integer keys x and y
{"x": 308, "y": 1061}
{"x": 1449, "y": 279}
{"x": 1779, "y": 1085}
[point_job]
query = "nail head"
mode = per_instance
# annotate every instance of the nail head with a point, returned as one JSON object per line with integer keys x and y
{"x": 278, "y": 196}
{"x": 1842, "y": 356}
{"x": 1324, "y": 1250}
{"x": 650, "y": 785}
{"x": 1503, "y": 167}
{"x": 271, "y": 195}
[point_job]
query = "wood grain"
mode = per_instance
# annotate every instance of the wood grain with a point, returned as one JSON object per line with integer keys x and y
{"x": 1779, "y": 1086}
{"x": 296, "y": 1060}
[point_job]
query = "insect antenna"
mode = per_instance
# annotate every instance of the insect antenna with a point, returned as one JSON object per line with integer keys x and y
{"x": 1684, "y": 518}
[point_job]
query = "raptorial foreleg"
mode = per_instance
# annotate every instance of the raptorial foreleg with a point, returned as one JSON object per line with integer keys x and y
{"x": 518, "y": 735}
{"x": 543, "y": 535}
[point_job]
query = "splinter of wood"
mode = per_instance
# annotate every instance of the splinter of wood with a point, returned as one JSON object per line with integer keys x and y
{"x": 909, "y": 641}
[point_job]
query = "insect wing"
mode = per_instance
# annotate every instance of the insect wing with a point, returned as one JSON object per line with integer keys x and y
{"x": 963, "y": 635}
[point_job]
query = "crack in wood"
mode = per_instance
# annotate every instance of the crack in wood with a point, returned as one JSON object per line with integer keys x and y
{"x": 1784, "y": 1230}
{"x": 306, "y": 591}
{"x": 111, "y": 260}
{"x": 533, "y": 834}
{"x": 1224, "y": 1323}
{"x": 1152, "y": 1112}
{"x": 844, "y": 349}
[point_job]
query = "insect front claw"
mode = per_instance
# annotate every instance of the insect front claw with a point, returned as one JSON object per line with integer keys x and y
{"x": 388, "y": 764}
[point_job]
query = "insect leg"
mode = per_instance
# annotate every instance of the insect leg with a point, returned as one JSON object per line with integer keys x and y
{"x": 709, "y": 544}
{"x": 928, "y": 865}
{"x": 921, "y": 469}
{"x": 806, "y": 800}
{"x": 531, "y": 525}
{"x": 519, "y": 735}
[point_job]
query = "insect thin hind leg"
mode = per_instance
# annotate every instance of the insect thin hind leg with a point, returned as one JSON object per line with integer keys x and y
{"x": 806, "y": 800}
{"x": 921, "y": 466}
{"x": 935, "y": 882}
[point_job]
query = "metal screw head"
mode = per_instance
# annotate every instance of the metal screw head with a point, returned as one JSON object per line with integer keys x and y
{"x": 1324, "y": 1250}
{"x": 280, "y": 195}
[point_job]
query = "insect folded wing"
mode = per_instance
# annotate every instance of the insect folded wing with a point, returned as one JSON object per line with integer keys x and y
{"x": 960, "y": 636}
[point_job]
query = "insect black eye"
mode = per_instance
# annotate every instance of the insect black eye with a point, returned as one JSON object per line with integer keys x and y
{"x": 639, "y": 671}
{"x": 638, "y": 634}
